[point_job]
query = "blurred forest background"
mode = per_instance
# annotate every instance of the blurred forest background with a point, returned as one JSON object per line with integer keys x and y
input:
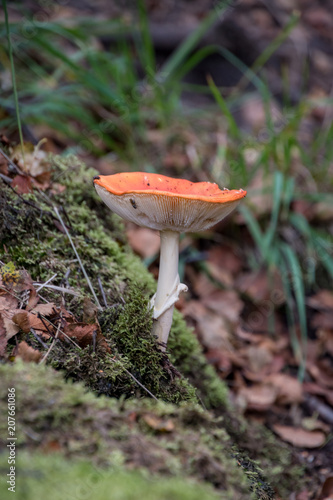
{"x": 234, "y": 92}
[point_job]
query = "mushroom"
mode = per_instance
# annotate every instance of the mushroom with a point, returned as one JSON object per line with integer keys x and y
{"x": 171, "y": 206}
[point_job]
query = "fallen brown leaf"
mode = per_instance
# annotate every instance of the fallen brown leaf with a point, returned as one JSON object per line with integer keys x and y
{"x": 326, "y": 339}
{"x": 27, "y": 320}
{"x": 212, "y": 329}
{"x": 25, "y": 283}
{"x": 327, "y": 489}
{"x": 321, "y": 300}
{"x": 322, "y": 319}
{"x": 259, "y": 287}
{"x": 35, "y": 161}
{"x": 248, "y": 336}
{"x": 44, "y": 309}
{"x": 3, "y": 339}
{"x": 201, "y": 284}
{"x": 89, "y": 311}
{"x": 289, "y": 389}
{"x": 10, "y": 327}
{"x": 221, "y": 360}
{"x": 322, "y": 373}
{"x": 225, "y": 303}
{"x": 313, "y": 424}
{"x": 299, "y": 437}
{"x": 159, "y": 424}
{"x": 225, "y": 257}
{"x": 84, "y": 334}
{"x": 8, "y": 305}
{"x": 258, "y": 397}
{"x": 28, "y": 353}
{"x": 275, "y": 366}
{"x": 144, "y": 241}
{"x": 259, "y": 357}
{"x": 22, "y": 184}
{"x": 220, "y": 274}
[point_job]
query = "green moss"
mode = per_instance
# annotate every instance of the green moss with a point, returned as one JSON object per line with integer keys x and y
{"x": 55, "y": 478}
{"x": 161, "y": 439}
{"x": 186, "y": 354}
{"x": 130, "y": 337}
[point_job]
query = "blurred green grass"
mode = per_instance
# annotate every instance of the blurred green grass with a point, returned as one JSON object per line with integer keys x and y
{"x": 106, "y": 99}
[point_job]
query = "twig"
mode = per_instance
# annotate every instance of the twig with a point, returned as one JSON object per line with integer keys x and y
{"x": 102, "y": 291}
{"x": 135, "y": 379}
{"x": 65, "y": 278}
{"x": 46, "y": 282}
{"x": 27, "y": 202}
{"x": 51, "y": 346}
{"x": 37, "y": 338}
{"x": 325, "y": 411}
{"x": 43, "y": 318}
{"x": 6, "y": 179}
{"x": 78, "y": 258}
{"x": 14, "y": 168}
{"x": 58, "y": 288}
{"x": 10, "y": 293}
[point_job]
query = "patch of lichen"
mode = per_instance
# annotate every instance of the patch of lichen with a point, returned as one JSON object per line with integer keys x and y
{"x": 161, "y": 439}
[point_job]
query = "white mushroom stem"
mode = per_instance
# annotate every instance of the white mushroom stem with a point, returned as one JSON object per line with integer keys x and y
{"x": 168, "y": 285}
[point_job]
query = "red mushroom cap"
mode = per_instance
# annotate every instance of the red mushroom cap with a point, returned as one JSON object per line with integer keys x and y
{"x": 164, "y": 203}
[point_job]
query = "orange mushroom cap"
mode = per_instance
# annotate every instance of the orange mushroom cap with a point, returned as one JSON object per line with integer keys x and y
{"x": 164, "y": 203}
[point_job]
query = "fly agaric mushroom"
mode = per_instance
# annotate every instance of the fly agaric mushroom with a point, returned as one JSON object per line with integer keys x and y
{"x": 171, "y": 206}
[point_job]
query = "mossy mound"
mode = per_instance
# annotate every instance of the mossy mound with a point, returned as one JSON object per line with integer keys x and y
{"x": 56, "y": 478}
{"x": 32, "y": 237}
{"x": 158, "y": 439}
{"x": 129, "y": 366}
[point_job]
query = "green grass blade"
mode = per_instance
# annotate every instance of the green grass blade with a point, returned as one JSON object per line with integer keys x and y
{"x": 147, "y": 52}
{"x": 294, "y": 267}
{"x": 253, "y": 226}
{"x": 295, "y": 344}
{"x": 234, "y": 131}
{"x": 12, "y": 66}
{"x": 277, "y": 192}
{"x": 182, "y": 52}
{"x": 269, "y": 51}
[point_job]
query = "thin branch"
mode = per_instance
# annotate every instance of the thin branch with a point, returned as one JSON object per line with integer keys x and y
{"x": 46, "y": 282}
{"x": 78, "y": 258}
{"x": 12, "y": 66}
{"x": 58, "y": 288}
{"x": 43, "y": 319}
{"x": 37, "y": 338}
{"x": 51, "y": 346}
{"x": 102, "y": 291}
{"x": 139, "y": 383}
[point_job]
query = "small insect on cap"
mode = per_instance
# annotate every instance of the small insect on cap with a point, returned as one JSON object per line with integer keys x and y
{"x": 164, "y": 203}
